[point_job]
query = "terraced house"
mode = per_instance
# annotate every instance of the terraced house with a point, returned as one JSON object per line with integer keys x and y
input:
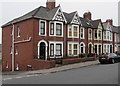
{"x": 48, "y": 32}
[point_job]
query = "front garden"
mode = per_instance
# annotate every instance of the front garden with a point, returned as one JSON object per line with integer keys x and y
{"x": 83, "y": 57}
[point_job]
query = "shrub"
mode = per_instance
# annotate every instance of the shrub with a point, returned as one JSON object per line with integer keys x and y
{"x": 82, "y": 55}
{"x": 91, "y": 55}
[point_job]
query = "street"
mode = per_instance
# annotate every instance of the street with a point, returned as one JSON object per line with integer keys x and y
{"x": 95, "y": 74}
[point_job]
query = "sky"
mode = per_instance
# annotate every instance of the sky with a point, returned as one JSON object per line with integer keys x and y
{"x": 100, "y": 9}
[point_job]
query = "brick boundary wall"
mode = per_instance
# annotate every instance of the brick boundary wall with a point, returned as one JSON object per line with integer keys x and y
{"x": 77, "y": 60}
{"x": 41, "y": 64}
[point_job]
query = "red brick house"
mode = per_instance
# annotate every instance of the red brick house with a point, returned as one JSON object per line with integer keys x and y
{"x": 48, "y": 32}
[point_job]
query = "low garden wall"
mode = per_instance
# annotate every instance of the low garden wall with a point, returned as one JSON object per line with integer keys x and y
{"x": 42, "y": 64}
{"x": 77, "y": 60}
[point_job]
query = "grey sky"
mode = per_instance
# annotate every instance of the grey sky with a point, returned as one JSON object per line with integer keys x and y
{"x": 104, "y": 9}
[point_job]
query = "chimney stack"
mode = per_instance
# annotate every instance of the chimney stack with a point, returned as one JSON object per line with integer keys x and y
{"x": 109, "y": 21}
{"x": 88, "y": 15}
{"x": 50, "y": 4}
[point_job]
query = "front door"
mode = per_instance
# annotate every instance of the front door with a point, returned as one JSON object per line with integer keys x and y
{"x": 42, "y": 51}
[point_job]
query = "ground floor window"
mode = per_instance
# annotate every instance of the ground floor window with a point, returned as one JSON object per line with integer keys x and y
{"x": 56, "y": 49}
{"x": 107, "y": 48}
{"x": 73, "y": 49}
{"x": 82, "y": 48}
{"x": 98, "y": 48}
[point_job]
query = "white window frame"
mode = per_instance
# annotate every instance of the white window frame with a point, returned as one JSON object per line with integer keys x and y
{"x": 55, "y": 22}
{"x": 92, "y": 47}
{"x": 18, "y": 31}
{"x": 83, "y": 33}
{"x": 55, "y": 42}
{"x": 89, "y": 34}
{"x": 115, "y": 37}
{"x": 98, "y": 47}
{"x": 40, "y": 27}
{"x": 83, "y": 47}
{"x": 72, "y": 43}
{"x": 72, "y": 28}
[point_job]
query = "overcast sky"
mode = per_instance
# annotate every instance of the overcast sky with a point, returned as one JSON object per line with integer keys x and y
{"x": 100, "y": 9}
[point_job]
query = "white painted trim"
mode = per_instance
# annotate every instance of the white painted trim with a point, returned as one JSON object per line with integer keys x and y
{"x": 83, "y": 47}
{"x": 55, "y": 42}
{"x": 55, "y": 22}
{"x": 45, "y": 48}
{"x": 83, "y": 33}
{"x": 72, "y": 43}
{"x": 74, "y": 17}
{"x": 72, "y": 28}
{"x": 98, "y": 47}
{"x": 40, "y": 25}
{"x": 62, "y": 15}
{"x": 91, "y": 47}
{"x": 89, "y": 34}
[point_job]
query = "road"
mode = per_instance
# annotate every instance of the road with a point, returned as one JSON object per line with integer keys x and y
{"x": 96, "y": 74}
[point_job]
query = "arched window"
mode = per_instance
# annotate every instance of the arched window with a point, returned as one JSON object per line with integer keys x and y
{"x": 90, "y": 48}
{"x": 82, "y": 48}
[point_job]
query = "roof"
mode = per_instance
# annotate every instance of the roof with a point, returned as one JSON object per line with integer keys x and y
{"x": 69, "y": 16}
{"x": 40, "y": 12}
{"x": 114, "y": 29}
{"x": 85, "y": 23}
{"x": 96, "y": 23}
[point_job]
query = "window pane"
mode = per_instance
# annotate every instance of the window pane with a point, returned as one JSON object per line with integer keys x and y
{"x": 58, "y": 49}
{"x": 70, "y": 32}
{"x": 51, "y": 49}
{"x": 58, "y": 29}
{"x": 75, "y": 46}
{"x": 75, "y": 52}
{"x": 52, "y": 29}
{"x": 70, "y": 52}
{"x": 42, "y": 28}
{"x": 70, "y": 46}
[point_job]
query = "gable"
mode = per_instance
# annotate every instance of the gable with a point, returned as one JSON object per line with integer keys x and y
{"x": 100, "y": 26}
{"x": 76, "y": 19}
{"x": 59, "y": 16}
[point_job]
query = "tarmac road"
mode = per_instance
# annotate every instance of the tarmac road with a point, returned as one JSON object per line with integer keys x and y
{"x": 95, "y": 74}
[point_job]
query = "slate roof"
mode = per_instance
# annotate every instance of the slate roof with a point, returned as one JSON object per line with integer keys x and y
{"x": 69, "y": 16}
{"x": 114, "y": 29}
{"x": 85, "y": 23}
{"x": 95, "y": 23}
{"x": 40, "y": 12}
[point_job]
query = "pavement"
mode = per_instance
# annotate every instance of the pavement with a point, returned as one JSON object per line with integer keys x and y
{"x": 51, "y": 70}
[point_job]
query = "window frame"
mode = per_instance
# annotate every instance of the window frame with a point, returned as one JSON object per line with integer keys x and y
{"x": 18, "y": 31}
{"x": 82, "y": 32}
{"x": 43, "y": 21}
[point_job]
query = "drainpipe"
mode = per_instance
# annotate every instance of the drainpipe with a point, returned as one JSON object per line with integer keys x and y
{"x": 13, "y": 48}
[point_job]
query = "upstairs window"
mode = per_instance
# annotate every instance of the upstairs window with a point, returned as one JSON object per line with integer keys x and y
{"x": 100, "y": 34}
{"x": 89, "y": 34}
{"x": 75, "y": 31}
{"x": 104, "y": 34}
{"x": 115, "y": 37}
{"x": 42, "y": 27}
{"x": 18, "y": 31}
{"x": 58, "y": 29}
{"x": 95, "y": 34}
{"x": 82, "y": 33}
{"x": 108, "y": 35}
{"x": 52, "y": 29}
{"x": 70, "y": 31}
